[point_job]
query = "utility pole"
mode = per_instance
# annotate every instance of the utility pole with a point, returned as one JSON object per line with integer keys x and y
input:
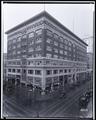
{"x": 73, "y": 24}
{"x": 89, "y": 40}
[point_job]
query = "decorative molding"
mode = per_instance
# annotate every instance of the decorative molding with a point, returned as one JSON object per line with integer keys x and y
{"x": 50, "y": 23}
{"x": 27, "y": 27}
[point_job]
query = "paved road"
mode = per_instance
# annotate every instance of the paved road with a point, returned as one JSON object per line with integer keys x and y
{"x": 54, "y": 108}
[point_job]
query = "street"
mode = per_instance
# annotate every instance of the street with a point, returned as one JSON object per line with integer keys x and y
{"x": 61, "y": 107}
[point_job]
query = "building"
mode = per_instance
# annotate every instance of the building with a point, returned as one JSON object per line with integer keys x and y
{"x": 44, "y": 53}
{"x": 90, "y": 60}
{"x": 90, "y": 65}
{"x": 4, "y": 66}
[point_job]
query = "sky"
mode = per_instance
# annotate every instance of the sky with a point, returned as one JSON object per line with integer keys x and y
{"x": 76, "y": 17}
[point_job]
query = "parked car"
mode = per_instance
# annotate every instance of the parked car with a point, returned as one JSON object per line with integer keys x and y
{"x": 10, "y": 89}
{"x": 63, "y": 95}
{"x": 83, "y": 101}
{"x": 89, "y": 94}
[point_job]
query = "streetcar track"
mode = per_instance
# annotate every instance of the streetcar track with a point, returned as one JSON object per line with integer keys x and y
{"x": 67, "y": 107}
{"x": 19, "y": 107}
{"x": 66, "y": 104}
{"x": 10, "y": 110}
{"x": 59, "y": 100}
{"x": 56, "y": 105}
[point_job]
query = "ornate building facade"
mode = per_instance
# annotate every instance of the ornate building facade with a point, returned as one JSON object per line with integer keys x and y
{"x": 44, "y": 53}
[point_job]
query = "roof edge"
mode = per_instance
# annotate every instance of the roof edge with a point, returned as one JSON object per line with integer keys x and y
{"x": 51, "y": 17}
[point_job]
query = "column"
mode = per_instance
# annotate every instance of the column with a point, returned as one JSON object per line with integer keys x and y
{"x": 52, "y": 85}
{"x": 33, "y": 83}
{"x": 58, "y": 82}
{"x": 75, "y": 77}
{"x": 43, "y": 81}
{"x": 63, "y": 83}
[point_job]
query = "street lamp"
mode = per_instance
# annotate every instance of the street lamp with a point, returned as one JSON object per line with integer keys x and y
{"x": 30, "y": 95}
{"x": 37, "y": 104}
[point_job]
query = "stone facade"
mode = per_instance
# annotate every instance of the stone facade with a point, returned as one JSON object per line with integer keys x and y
{"x": 44, "y": 53}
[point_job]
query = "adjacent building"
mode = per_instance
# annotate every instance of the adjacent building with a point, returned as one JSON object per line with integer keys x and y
{"x": 44, "y": 53}
{"x": 90, "y": 60}
{"x": 4, "y": 66}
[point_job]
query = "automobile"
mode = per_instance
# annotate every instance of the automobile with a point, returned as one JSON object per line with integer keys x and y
{"x": 89, "y": 94}
{"x": 83, "y": 102}
{"x": 10, "y": 89}
{"x": 63, "y": 95}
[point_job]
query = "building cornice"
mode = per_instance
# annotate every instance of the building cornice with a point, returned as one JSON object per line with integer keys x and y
{"x": 47, "y": 15}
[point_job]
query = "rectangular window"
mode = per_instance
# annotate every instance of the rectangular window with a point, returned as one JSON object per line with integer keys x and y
{"x": 55, "y": 71}
{"x": 14, "y": 47}
{"x": 18, "y": 45}
{"x": 65, "y": 71}
{"x": 55, "y": 36}
{"x": 73, "y": 45}
{"x": 49, "y": 33}
{"x": 55, "y": 43}
{"x": 48, "y": 72}
{"x": 24, "y": 71}
{"x": 38, "y": 55}
{"x": 65, "y": 52}
{"x": 24, "y": 43}
{"x": 18, "y": 39}
{"x": 38, "y": 48}
{"x": 14, "y": 41}
{"x": 61, "y": 57}
{"x": 69, "y": 70}
{"x": 31, "y": 42}
{"x": 39, "y": 31}
{"x": 61, "y": 45}
{"x": 38, "y": 40}
{"x": 48, "y": 40}
{"x": 30, "y": 49}
{"x": 55, "y": 56}
{"x": 61, "y": 51}
{"x": 48, "y": 55}
{"x": 14, "y": 52}
{"x": 18, "y": 62}
{"x": 66, "y": 47}
{"x": 69, "y": 48}
{"x": 18, "y": 70}
{"x": 61, "y": 39}
{"x": 30, "y": 71}
{"x": 66, "y": 42}
{"x": 38, "y": 72}
{"x": 49, "y": 48}
{"x": 13, "y": 70}
{"x": 60, "y": 71}
{"x": 70, "y": 44}
{"x": 31, "y": 35}
{"x": 28, "y": 62}
{"x": 55, "y": 50}
{"x": 9, "y": 70}
{"x": 18, "y": 52}
{"x": 24, "y": 36}
{"x": 9, "y": 42}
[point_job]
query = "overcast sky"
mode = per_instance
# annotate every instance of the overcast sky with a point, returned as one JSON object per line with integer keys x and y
{"x": 76, "y": 17}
